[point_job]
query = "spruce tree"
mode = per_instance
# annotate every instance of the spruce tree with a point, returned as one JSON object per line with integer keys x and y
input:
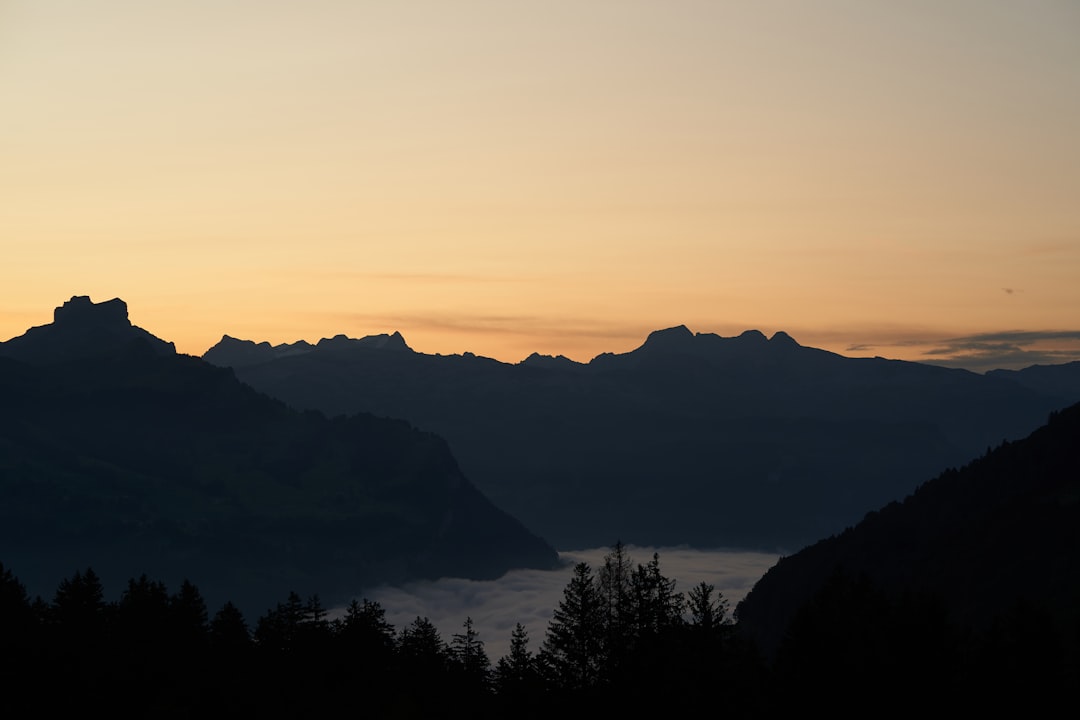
{"x": 614, "y": 581}
{"x": 470, "y": 658}
{"x": 572, "y": 650}
{"x": 516, "y": 672}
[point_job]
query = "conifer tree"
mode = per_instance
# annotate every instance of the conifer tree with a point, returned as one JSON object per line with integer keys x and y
{"x": 468, "y": 654}
{"x": 278, "y": 628}
{"x": 706, "y": 612}
{"x": 516, "y": 672}
{"x": 659, "y": 607}
{"x": 365, "y": 629}
{"x": 573, "y": 646}
{"x": 614, "y": 582}
{"x": 79, "y": 610}
{"x": 421, "y": 648}
{"x": 189, "y": 616}
{"x": 229, "y": 632}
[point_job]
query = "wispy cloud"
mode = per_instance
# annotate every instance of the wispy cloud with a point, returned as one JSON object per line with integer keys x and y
{"x": 980, "y": 352}
{"x": 527, "y": 325}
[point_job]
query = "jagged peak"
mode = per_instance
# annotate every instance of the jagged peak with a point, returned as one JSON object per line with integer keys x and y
{"x": 384, "y": 341}
{"x": 82, "y": 328}
{"x": 548, "y": 361}
{"x": 80, "y": 309}
{"x": 782, "y": 339}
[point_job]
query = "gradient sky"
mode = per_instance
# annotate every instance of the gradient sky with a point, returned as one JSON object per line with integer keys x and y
{"x": 875, "y": 178}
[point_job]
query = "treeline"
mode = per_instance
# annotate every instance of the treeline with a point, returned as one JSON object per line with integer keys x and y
{"x": 622, "y": 640}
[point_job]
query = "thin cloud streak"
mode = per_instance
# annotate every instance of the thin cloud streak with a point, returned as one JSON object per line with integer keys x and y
{"x": 530, "y": 596}
{"x": 980, "y": 352}
{"x": 526, "y": 327}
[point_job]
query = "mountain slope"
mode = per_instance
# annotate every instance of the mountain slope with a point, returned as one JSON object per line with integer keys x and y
{"x": 137, "y": 460}
{"x": 1003, "y": 528}
{"x": 744, "y": 441}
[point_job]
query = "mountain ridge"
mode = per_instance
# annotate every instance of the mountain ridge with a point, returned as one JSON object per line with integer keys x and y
{"x": 133, "y": 460}
{"x": 661, "y": 444}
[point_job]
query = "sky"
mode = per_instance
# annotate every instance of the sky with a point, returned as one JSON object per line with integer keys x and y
{"x": 561, "y": 177}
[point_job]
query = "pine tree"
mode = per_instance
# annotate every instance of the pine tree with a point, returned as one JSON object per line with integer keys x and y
{"x": 614, "y": 581}
{"x": 516, "y": 672}
{"x": 189, "y": 616}
{"x": 658, "y": 607}
{"x": 365, "y": 631}
{"x": 707, "y": 614}
{"x": 421, "y": 648}
{"x": 229, "y": 632}
{"x": 79, "y": 611}
{"x": 278, "y": 628}
{"x": 313, "y": 629}
{"x": 470, "y": 658}
{"x": 572, "y": 650}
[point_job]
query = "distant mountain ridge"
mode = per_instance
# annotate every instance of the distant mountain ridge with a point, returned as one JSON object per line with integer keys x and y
{"x": 1061, "y": 380}
{"x": 233, "y": 352}
{"x": 117, "y": 453}
{"x": 742, "y": 441}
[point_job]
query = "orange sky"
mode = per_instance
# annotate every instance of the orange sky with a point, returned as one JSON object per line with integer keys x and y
{"x": 563, "y": 177}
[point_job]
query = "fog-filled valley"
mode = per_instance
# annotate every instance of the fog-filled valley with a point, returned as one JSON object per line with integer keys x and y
{"x": 529, "y": 596}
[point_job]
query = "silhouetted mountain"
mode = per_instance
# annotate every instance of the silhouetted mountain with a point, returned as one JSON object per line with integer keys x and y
{"x": 1001, "y": 532}
{"x": 118, "y": 456}
{"x": 84, "y": 329}
{"x": 741, "y": 441}
{"x": 1058, "y": 380}
{"x": 231, "y": 352}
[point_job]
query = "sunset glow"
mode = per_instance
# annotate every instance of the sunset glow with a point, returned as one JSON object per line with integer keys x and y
{"x": 895, "y": 179}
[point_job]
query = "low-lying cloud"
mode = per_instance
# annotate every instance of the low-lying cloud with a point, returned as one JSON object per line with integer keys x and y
{"x": 530, "y": 596}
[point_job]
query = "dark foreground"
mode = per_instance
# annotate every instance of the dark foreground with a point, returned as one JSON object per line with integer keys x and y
{"x": 620, "y": 642}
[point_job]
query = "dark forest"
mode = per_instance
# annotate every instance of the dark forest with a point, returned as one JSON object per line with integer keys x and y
{"x": 621, "y": 640}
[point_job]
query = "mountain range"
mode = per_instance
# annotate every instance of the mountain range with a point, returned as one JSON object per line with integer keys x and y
{"x": 119, "y": 454}
{"x": 692, "y": 438}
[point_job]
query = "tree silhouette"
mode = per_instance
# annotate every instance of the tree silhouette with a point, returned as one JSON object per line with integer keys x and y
{"x": 279, "y": 628}
{"x": 706, "y": 612}
{"x": 516, "y": 673}
{"x": 365, "y": 631}
{"x": 421, "y": 648}
{"x": 572, "y": 652}
{"x": 470, "y": 660}
{"x": 79, "y": 610}
{"x": 657, "y": 607}
{"x": 229, "y": 632}
{"x": 618, "y": 612}
{"x": 187, "y": 609}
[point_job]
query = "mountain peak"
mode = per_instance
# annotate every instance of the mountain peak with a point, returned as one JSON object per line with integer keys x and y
{"x": 383, "y": 341}
{"x": 81, "y": 310}
{"x": 782, "y": 339}
{"x": 549, "y": 361}
{"x": 673, "y": 338}
{"x": 83, "y": 328}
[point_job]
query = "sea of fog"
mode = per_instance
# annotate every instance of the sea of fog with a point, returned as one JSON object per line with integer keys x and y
{"x": 530, "y": 596}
